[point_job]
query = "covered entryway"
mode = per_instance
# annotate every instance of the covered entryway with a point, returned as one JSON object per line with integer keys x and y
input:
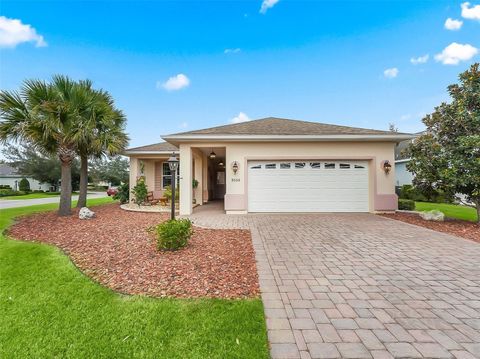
{"x": 308, "y": 186}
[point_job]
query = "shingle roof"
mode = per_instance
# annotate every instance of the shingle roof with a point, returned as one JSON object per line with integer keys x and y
{"x": 156, "y": 147}
{"x": 7, "y": 170}
{"x": 282, "y": 126}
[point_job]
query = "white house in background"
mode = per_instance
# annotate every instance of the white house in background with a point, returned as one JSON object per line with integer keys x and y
{"x": 276, "y": 165}
{"x": 402, "y": 175}
{"x": 9, "y": 176}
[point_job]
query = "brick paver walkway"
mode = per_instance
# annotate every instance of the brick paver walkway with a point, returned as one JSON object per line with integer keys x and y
{"x": 362, "y": 286}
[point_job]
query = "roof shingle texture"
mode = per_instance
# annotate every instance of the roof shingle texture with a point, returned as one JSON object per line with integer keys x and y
{"x": 281, "y": 126}
{"x": 162, "y": 146}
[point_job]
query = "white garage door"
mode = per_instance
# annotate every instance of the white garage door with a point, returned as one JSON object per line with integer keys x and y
{"x": 308, "y": 186}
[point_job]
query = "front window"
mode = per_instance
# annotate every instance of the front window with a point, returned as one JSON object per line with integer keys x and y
{"x": 166, "y": 175}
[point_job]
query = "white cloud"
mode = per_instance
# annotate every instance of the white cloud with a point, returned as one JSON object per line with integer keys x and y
{"x": 232, "y": 51}
{"x": 419, "y": 60}
{"x": 267, "y": 4}
{"x": 391, "y": 73}
{"x": 451, "y": 24}
{"x": 468, "y": 12}
{"x": 174, "y": 83}
{"x": 13, "y": 32}
{"x": 184, "y": 125}
{"x": 241, "y": 117}
{"x": 454, "y": 53}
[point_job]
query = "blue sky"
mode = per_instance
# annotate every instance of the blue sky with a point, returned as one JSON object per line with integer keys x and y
{"x": 336, "y": 62}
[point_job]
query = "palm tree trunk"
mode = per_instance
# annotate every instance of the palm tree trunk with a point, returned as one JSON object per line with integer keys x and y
{"x": 82, "y": 197}
{"x": 66, "y": 157}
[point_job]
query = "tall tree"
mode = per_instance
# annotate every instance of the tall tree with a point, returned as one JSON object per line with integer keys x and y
{"x": 43, "y": 114}
{"x": 114, "y": 170}
{"x": 100, "y": 133}
{"x": 447, "y": 156}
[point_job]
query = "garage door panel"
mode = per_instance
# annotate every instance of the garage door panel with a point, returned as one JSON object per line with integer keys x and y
{"x": 312, "y": 188}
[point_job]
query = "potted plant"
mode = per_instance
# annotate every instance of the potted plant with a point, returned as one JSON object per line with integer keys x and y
{"x": 194, "y": 186}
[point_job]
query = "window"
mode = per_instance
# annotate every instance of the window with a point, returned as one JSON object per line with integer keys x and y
{"x": 358, "y": 166}
{"x": 270, "y": 166}
{"x": 300, "y": 165}
{"x": 166, "y": 175}
{"x": 285, "y": 166}
{"x": 344, "y": 166}
{"x": 315, "y": 164}
{"x": 329, "y": 165}
{"x": 257, "y": 167}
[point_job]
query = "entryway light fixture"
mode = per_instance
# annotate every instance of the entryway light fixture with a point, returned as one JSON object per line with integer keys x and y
{"x": 386, "y": 166}
{"x": 212, "y": 155}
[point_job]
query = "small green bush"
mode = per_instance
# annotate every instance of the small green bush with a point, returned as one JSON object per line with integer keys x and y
{"x": 140, "y": 192}
{"x": 173, "y": 234}
{"x": 10, "y": 192}
{"x": 5, "y": 186}
{"x": 123, "y": 193}
{"x": 24, "y": 185}
{"x": 38, "y": 191}
{"x": 406, "y": 204}
{"x": 168, "y": 193}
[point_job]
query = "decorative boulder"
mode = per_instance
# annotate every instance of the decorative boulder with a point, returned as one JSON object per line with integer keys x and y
{"x": 433, "y": 216}
{"x": 85, "y": 213}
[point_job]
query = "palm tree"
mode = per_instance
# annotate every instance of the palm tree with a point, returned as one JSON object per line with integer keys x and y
{"x": 43, "y": 115}
{"x": 101, "y": 133}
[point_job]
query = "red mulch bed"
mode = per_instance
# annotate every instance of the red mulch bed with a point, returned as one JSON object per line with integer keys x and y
{"x": 116, "y": 250}
{"x": 455, "y": 227}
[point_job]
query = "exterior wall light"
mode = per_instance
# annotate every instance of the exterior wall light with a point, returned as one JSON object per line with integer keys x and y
{"x": 212, "y": 155}
{"x": 386, "y": 166}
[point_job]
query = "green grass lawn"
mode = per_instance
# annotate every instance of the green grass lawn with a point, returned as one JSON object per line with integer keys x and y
{"x": 449, "y": 210}
{"x": 49, "y": 309}
{"x": 35, "y": 195}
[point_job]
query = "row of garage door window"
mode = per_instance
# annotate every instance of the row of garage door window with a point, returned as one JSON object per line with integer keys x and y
{"x": 327, "y": 165}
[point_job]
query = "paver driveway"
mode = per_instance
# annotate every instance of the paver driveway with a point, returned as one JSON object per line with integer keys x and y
{"x": 362, "y": 286}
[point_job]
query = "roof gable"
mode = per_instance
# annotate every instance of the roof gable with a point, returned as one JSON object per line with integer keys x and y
{"x": 282, "y": 127}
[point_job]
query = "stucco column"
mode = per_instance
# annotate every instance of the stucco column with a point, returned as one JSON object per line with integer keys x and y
{"x": 185, "y": 180}
{"x": 133, "y": 174}
{"x": 204, "y": 178}
{"x": 199, "y": 177}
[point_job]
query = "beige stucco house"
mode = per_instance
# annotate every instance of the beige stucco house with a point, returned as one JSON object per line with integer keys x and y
{"x": 276, "y": 165}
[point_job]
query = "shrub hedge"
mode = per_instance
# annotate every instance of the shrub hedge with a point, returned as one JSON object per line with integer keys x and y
{"x": 406, "y": 204}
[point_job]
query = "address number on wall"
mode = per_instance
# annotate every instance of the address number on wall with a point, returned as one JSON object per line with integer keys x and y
{"x": 235, "y": 179}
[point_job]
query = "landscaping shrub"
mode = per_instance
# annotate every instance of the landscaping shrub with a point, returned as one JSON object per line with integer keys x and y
{"x": 140, "y": 192}
{"x": 168, "y": 193}
{"x": 38, "y": 191}
{"x": 173, "y": 234}
{"x": 24, "y": 185}
{"x": 420, "y": 194}
{"x": 406, "y": 204}
{"x": 10, "y": 192}
{"x": 123, "y": 193}
{"x": 5, "y": 186}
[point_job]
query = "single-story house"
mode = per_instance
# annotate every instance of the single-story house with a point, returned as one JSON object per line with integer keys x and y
{"x": 9, "y": 176}
{"x": 276, "y": 165}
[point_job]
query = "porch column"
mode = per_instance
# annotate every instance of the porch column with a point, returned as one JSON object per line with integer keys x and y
{"x": 133, "y": 174}
{"x": 199, "y": 177}
{"x": 185, "y": 180}
{"x": 205, "y": 179}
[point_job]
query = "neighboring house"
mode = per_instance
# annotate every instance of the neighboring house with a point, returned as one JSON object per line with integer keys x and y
{"x": 276, "y": 165}
{"x": 402, "y": 175}
{"x": 9, "y": 176}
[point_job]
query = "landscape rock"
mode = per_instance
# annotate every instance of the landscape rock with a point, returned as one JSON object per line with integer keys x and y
{"x": 433, "y": 216}
{"x": 86, "y": 213}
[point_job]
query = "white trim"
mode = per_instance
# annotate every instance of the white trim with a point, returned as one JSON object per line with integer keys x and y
{"x": 287, "y": 138}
